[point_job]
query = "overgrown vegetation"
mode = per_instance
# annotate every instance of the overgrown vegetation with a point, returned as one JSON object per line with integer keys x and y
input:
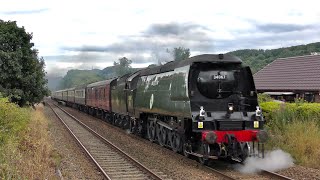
{"x": 295, "y": 128}
{"x": 25, "y": 150}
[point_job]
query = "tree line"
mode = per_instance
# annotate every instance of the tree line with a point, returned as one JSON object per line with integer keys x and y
{"x": 22, "y": 75}
{"x": 257, "y": 59}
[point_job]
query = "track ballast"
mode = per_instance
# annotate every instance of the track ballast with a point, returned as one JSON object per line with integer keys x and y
{"x": 111, "y": 161}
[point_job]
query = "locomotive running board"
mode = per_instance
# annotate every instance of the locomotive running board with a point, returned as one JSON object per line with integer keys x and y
{"x": 200, "y": 155}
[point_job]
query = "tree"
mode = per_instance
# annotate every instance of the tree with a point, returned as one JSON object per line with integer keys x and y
{"x": 22, "y": 75}
{"x": 79, "y": 77}
{"x": 180, "y": 53}
{"x": 123, "y": 66}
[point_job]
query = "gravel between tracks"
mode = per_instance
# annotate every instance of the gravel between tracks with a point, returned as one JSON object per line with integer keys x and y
{"x": 174, "y": 165}
{"x": 152, "y": 155}
{"x": 300, "y": 172}
{"x": 73, "y": 162}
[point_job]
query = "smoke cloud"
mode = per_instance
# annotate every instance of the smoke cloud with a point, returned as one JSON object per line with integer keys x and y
{"x": 274, "y": 161}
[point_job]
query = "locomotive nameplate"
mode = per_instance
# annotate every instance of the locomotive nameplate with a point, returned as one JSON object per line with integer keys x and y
{"x": 255, "y": 124}
{"x": 200, "y": 125}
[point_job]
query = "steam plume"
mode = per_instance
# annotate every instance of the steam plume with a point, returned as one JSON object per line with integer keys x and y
{"x": 274, "y": 161}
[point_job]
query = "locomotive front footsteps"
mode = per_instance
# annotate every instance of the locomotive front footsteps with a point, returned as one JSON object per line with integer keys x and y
{"x": 204, "y": 106}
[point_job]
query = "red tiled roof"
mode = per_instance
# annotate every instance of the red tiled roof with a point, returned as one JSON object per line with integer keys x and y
{"x": 294, "y": 73}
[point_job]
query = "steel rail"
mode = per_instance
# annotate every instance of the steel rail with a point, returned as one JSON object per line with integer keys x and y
{"x": 81, "y": 145}
{"x": 217, "y": 172}
{"x": 274, "y": 175}
{"x": 128, "y": 157}
{"x": 221, "y": 174}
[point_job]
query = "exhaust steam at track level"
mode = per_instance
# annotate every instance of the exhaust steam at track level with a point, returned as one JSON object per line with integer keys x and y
{"x": 274, "y": 161}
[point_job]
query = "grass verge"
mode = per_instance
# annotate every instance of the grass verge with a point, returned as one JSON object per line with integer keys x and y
{"x": 26, "y": 150}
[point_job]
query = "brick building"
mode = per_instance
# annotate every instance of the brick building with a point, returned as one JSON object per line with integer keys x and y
{"x": 289, "y": 78}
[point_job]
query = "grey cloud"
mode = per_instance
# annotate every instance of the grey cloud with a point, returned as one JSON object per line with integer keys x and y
{"x": 157, "y": 36}
{"x": 269, "y": 41}
{"x": 26, "y": 11}
{"x": 55, "y": 71}
{"x": 282, "y": 28}
{"x": 123, "y": 47}
{"x": 156, "y": 39}
{"x": 82, "y": 57}
{"x": 173, "y": 29}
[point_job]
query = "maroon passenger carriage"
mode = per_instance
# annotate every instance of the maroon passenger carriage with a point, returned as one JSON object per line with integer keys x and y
{"x": 98, "y": 98}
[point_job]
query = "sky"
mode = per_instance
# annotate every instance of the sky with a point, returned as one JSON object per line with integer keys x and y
{"x": 75, "y": 34}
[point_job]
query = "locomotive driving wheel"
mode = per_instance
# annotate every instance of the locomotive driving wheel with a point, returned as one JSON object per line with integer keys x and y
{"x": 176, "y": 142}
{"x": 186, "y": 149}
{"x": 204, "y": 151}
{"x": 126, "y": 122}
{"x": 151, "y": 131}
{"x": 162, "y": 135}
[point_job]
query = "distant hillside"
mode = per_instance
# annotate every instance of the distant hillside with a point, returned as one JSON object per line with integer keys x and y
{"x": 53, "y": 82}
{"x": 78, "y": 77}
{"x": 257, "y": 59}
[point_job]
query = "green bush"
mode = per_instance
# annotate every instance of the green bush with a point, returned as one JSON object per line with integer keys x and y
{"x": 264, "y": 98}
{"x": 13, "y": 122}
{"x": 268, "y": 108}
{"x": 276, "y": 111}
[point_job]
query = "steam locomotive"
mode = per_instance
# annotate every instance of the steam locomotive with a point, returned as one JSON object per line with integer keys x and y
{"x": 204, "y": 106}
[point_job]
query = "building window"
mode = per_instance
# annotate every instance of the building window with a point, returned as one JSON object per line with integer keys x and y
{"x": 309, "y": 97}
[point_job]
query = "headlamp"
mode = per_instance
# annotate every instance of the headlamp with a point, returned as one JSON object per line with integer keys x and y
{"x": 230, "y": 107}
{"x": 202, "y": 112}
{"x": 258, "y": 111}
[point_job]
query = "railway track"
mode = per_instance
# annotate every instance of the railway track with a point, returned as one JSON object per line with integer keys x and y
{"x": 223, "y": 175}
{"x": 274, "y": 175}
{"x": 110, "y": 160}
